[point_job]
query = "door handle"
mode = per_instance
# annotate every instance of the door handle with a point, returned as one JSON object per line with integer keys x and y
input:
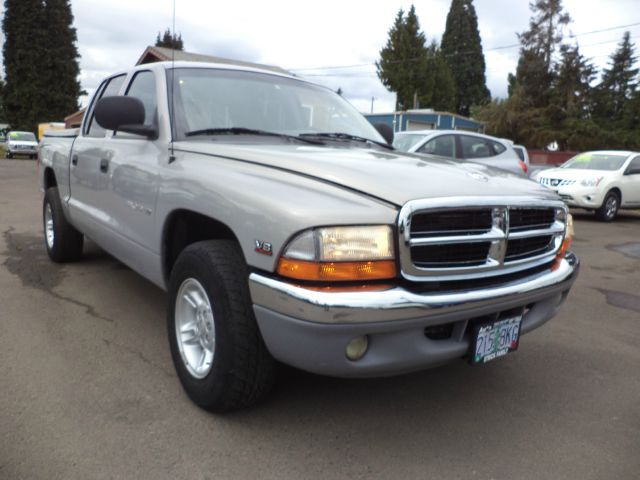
{"x": 104, "y": 165}
{"x": 74, "y": 160}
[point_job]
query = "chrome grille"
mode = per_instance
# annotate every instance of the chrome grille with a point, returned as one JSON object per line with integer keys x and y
{"x": 555, "y": 182}
{"x": 470, "y": 237}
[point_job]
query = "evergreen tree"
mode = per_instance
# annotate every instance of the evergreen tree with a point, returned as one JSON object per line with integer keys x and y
{"x": 462, "y": 49}
{"x": 569, "y": 113}
{"x": 24, "y": 52}
{"x": 169, "y": 40}
{"x": 60, "y": 71}
{"x": 403, "y": 61}
{"x": 619, "y": 83}
{"x": 438, "y": 90}
{"x": 539, "y": 45}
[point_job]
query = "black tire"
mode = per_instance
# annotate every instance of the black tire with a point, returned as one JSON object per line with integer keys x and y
{"x": 66, "y": 244}
{"x": 242, "y": 371}
{"x": 609, "y": 208}
{"x": 8, "y": 155}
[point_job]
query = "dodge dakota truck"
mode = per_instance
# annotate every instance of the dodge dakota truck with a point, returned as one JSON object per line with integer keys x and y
{"x": 285, "y": 229}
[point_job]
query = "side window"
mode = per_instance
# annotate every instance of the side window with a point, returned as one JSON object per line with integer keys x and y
{"x": 634, "y": 165}
{"x": 143, "y": 86}
{"x": 442, "y": 146}
{"x": 473, "y": 147}
{"x": 498, "y": 148}
{"x": 111, "y": 87}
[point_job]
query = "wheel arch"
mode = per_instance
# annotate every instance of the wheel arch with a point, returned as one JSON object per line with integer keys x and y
{"x": 49, "y": 178}
{"x": 183, "y": 227}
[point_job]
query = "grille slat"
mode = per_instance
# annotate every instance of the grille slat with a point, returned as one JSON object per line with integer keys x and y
{"x": 475, "y": 238}
{"x": 448, "y": 223}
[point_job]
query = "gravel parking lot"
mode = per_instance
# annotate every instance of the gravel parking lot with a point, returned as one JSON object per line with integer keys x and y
{"x": 88, "y": 389}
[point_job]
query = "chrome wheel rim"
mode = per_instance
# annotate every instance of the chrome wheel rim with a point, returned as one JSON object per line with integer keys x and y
{"x": 48, "y": 226}
{"x": 195, "y": 328}
{"x": 611, "y": 206}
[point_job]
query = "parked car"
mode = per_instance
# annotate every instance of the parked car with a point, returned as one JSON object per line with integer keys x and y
{"x": 21, "y": 143}
{"x": 522, "y": 152}
{"x": 284, "y": 228}
{"x": 462, "y": 146}
{"x": 602, "y": 181}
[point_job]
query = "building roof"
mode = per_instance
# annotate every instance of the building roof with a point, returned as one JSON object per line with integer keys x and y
{"x": 161, "y": 54}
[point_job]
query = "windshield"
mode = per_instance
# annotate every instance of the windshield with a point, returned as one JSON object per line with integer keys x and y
{"x": 404, "y": 143}
{"x": 596, "y": 161}
{"x": 210, "y": 99}
{"x": 22, "y": 136}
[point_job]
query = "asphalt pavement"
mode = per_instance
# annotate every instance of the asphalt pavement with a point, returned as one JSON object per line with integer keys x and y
{"x": 88, "y": 390}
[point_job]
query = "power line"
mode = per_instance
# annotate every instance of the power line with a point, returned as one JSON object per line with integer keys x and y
{"x": 502, "y": 47}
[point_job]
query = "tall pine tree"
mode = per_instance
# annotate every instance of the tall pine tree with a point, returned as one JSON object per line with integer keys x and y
{"x": 619, "y": 82}
{"x": 61, "y": 69}
{"x": 539, "y": 45}
{"x": 23, "y": 53}
{"x": 462, "y": 49}
{"x": 403, "y": 61}
{"x": 41, "y": 62}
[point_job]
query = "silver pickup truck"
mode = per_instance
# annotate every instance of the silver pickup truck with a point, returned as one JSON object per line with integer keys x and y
{"x": 285, "y": 228}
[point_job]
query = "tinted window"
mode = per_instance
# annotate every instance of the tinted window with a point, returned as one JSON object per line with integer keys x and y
{"x": 110, "y": 88}
{"x": 520, "y": 152}
{"x": 473, "y": 147}
{"x": 143, "y": 86}
{"x": 442, "y": 146}
{"x": 635, "y": 164}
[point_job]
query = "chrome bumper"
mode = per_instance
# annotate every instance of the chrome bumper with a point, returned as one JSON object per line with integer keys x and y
{"x": 398, "y": 303}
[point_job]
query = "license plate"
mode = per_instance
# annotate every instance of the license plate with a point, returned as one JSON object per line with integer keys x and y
{"x": 495, "y": 340}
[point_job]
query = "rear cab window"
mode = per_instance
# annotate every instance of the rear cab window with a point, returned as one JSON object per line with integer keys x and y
{"x": 109, "y": 88}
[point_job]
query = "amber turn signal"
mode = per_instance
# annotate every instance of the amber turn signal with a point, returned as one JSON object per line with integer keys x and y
{"x": 337, "y": 271}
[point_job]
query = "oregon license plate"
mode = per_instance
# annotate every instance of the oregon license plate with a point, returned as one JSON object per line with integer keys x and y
{"x": 495, "y": 340}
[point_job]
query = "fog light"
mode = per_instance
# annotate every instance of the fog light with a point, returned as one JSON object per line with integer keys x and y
{"x": 357, "y": 347}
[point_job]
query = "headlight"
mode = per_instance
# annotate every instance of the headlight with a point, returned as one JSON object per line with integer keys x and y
{"x": 591, "y": 182}
{"x": 340, "y": 254}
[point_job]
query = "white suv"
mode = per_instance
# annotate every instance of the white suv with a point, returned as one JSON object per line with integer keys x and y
{"x": 21, "y": 143}
{"x": 603, "y": 181}
{"x": 462, "y": 146}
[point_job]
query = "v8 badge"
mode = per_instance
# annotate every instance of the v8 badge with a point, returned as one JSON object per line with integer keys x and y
{"x": 264, "y": 248}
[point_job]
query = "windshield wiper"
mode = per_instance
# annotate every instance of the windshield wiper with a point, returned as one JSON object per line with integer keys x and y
{"x": 346, "y": 136}
{"x": 248, "y": 131}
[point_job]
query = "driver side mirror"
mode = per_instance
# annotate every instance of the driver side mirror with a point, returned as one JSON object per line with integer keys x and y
{"x": 123, "y": 114}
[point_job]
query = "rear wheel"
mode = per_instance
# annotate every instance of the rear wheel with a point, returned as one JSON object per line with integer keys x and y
{"x": 62, "y": 240}
{"x": 8, "y": 154}
{"x": 609, "y": 208}
{"x": 216, "y": 346}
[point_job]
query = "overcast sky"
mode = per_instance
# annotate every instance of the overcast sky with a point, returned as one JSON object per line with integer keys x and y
{"x": 301, "y": 36}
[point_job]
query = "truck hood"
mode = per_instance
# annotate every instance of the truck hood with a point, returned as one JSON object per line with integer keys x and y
{"x": 391, "y": 176}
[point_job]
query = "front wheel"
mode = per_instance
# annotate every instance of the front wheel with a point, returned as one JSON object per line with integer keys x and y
{"x": 609, "y": 208}
{"x": 216, "y": 346}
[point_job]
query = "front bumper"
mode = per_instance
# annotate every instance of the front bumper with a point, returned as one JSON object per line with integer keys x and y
{"x": 310, "y": 329}
{"x": 582, "y": 197}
